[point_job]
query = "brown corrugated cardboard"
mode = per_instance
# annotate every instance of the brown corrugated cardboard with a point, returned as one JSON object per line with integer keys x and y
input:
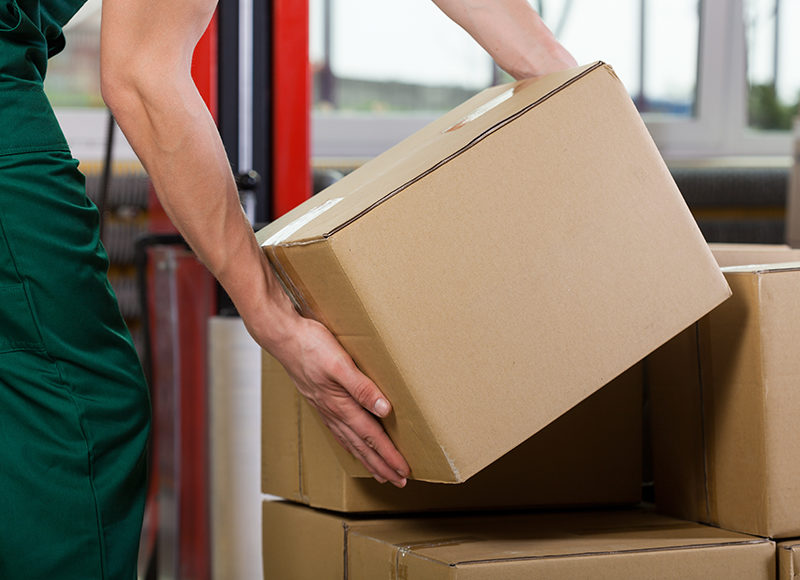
{"x": 725, "y": 403}
{"x": 589, "y": 456}
{"x": 747, "y": 254}
{"x": 500, "y": 265}
{"x": 789, "y": 560}
{"x": 302, "y": 543}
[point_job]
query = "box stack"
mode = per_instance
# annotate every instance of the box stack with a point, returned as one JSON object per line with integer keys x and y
{"x": 304, "y": 543}
{"x": 725, "y": 404}
{"x": 500, "y": 275}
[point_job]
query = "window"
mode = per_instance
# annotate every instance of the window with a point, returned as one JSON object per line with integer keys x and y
{"x": 712, "y": 78}
{"x": 377, "y": 65}
{"x": 637, "y": 37}
{"x": 772, "y": 73}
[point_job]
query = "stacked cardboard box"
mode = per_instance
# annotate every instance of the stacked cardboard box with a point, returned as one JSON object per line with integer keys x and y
{"x": 725, "y": 403}
{"x": 494, "y": 274}
{"x": 750, "y": 254}
{"x": 789, "y": 560}
{"x": 589, "y": 456}
{"x": 301, "y": 544}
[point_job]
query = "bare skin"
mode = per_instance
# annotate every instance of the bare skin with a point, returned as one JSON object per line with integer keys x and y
{"x": 512, "y": 33}
{"x": 146, "y": 51}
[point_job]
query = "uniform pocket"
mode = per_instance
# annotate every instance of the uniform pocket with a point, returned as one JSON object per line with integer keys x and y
{"x": 19, "y": 328}
{"x": 10, "y": 16}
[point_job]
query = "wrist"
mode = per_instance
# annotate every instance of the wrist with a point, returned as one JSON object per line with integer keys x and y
{"x": 547, "y": 56}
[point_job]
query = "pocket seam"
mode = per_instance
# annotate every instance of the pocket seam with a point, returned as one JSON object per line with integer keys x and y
{"x": 15, "y": 11}
{"x": 35, "y": 342}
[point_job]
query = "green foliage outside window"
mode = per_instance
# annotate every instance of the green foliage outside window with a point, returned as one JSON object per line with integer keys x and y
{"x": 767, "y": 112}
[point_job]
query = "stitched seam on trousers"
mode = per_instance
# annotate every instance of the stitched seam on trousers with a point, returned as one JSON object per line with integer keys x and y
{"x": 12, "y": 255}
{"x": 90, "y": 466}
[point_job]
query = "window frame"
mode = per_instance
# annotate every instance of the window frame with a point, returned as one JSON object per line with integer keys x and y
{"x": 718, "y": 130}
{"x": 718, "y": 133}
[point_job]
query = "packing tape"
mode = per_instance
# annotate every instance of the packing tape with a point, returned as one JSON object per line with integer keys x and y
{"x": 286, "y": 231}
{"x": 483, "y": 109}
{"x": 405, "y": 549}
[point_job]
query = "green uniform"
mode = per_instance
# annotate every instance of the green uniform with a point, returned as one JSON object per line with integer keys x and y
{"x": 74, "y": 407}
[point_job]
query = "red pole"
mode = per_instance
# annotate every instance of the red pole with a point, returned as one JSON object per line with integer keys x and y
{"x": 291, "y": 180}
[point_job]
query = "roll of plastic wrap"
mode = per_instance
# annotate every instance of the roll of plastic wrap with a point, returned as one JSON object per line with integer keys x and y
{"x": 235, "y": 450}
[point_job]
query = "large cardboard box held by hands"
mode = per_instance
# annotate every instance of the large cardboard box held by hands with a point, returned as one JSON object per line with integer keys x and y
{"x": 302, "y": 543}
{"x": 500, "y": 265}
{"x": 589, "y": 456}
{"x": 725, "y": 408}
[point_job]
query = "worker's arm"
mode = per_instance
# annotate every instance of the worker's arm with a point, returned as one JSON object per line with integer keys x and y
{"x": 512, "y": 33}
{"x": 146, "y": 52}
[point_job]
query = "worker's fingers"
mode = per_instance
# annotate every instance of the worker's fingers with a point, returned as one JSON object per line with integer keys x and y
{"x": 364, "y": 391}
{"x": 365, "y": 438}
{"x": 368, "y": 457}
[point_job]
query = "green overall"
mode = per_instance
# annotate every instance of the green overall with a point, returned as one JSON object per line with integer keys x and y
{"x": 74, "y": 407}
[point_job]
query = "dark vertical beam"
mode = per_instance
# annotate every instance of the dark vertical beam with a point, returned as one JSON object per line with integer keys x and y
{"x": 228, "y": 78}
{"x": 263, "y": 35}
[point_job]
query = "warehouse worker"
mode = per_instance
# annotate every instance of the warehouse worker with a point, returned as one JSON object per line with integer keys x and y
{"x": 74, "y": 408}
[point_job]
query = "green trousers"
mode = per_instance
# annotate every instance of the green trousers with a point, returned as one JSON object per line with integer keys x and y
{"x": 74, "y": 407}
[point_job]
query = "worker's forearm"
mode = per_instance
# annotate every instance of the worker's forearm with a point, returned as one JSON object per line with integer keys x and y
{"x": 512, "y": 33}
{"x": 146, "y": 52}
{"x": 176, "y": 139}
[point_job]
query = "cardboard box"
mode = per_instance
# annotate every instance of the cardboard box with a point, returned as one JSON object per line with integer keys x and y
{"x": 789, "y": 560}
{"x": 302, "y": 543}
{"x": 589, "y": 456}
{"x": 725, "y": 404}
{"x": 753, "y": 254}
{"x": 500, "y": 265}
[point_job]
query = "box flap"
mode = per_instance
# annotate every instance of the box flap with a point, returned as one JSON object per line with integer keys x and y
{"x": 764, "y": 268}
{"x": 408, "y": 161}
{"x": 527, "y": 537}
{"x": 745, "y": 254}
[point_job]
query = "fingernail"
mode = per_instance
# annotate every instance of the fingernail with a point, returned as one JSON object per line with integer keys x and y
{"x": 381, "y": 407}
{"x": 379, "y": 479}
{"x": 400, "y": 483}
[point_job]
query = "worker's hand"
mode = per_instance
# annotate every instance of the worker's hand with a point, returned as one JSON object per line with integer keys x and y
{"x": 512, "y": 33}
{"x": 345, "y": 398}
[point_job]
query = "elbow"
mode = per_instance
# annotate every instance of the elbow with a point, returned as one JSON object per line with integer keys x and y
{"x": 119, "y": 85}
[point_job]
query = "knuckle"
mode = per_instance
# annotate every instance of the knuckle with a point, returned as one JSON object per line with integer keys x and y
{"x": 363, "y": 393}
{"x": 370, "y": 442}
{"x": 361, "y": 449}
{"x": 339, "y": 406}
